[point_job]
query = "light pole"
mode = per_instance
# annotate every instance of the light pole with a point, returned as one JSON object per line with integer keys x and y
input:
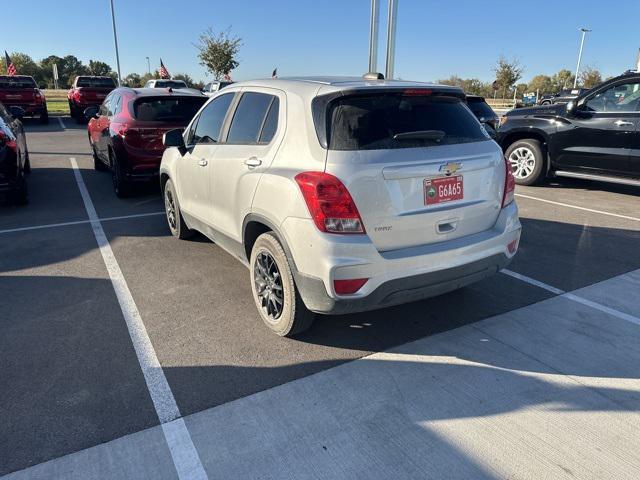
{"x": 584, "y": 32}
{"x": 148, "y": 65}
{"x": 373, "y": 37}
{"x": 115, "y": 41}
{"x": 391, "y": 38}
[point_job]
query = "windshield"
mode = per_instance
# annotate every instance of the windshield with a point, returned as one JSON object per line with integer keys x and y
{"x": 165, "y": 109}
{"x": 398, "y": 120}
{"x": 17, "y": 82}
{"x": 170, "y": 84}
{"x": 95, "y": 82}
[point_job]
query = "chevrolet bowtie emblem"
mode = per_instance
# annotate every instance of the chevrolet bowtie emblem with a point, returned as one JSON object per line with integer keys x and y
{"x": 450, "y": 168}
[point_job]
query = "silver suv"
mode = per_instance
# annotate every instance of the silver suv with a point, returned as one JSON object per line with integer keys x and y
{"x": 342, "y": 194}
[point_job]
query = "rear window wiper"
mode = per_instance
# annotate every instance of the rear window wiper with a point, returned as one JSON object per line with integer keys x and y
{"x": 436, "y": 135}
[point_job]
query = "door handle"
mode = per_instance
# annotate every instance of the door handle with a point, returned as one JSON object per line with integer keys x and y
{"x": 253, "y": 162}
{"x": 202, "y": 163}
{"x": 622, "y": 123}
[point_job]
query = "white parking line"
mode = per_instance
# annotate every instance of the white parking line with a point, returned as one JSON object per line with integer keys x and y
{"x": 573, "y": 297}
{"x": 61, "y": 123}
{"x": 79, "y": 222}
{"x": 183, "y": 452}
{"x": 626, "y": 217}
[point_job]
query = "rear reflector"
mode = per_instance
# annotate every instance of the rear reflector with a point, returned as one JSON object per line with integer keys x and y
{"x": 346, "y": 287}
{"x": 513, "y": 246}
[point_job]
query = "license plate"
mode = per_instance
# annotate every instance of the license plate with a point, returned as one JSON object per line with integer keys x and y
{"x": 443, "y": 190}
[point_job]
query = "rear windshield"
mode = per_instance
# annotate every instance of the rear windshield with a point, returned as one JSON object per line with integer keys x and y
{"x": 170, "y": 84}
{"x": 167, "y": 109}
{"x": 480, "y": 108}
{"x": 397, "y": 120}
{"x": 95, "y": 82}
{"x": 17, "y": 82}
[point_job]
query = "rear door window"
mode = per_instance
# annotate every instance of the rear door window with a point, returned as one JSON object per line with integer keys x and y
{"x": 249, "y": 118}
{"x": 400, "y": 120}
{"x": 209, "y": 124}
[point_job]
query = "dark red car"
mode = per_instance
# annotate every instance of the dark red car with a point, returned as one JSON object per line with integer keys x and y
{"x": 22, "y": 91}
{"x": 88, "y": 91}
{"x": 125, "y": 133}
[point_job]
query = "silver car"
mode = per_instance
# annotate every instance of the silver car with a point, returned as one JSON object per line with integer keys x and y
{"x": 342, "y": 194}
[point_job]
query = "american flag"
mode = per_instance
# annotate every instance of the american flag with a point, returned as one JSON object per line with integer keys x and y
{"x": 11, "y": 68}
{"x": 227, "y": 77}
{"x": 162, "y": 71}
{"x": 274, "y": 74}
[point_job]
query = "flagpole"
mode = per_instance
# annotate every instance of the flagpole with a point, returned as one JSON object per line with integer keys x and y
{"x": 115, "y": 40}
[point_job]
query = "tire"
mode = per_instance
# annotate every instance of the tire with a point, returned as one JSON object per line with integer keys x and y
{"x": 72, "y": 111}
{"x": 546, "y": 102}
{"x": 527, "y": 161}
{"x": 98, "y": 164}
{"x": 44, "y": 117}
{"x": 176, "y": 222}
{"x": 20, "y": 195}
{"x": 121, "y": 186}
{"x": 274, "y": 290}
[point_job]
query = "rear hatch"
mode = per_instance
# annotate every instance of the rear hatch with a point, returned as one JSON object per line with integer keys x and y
{"x": 417, "y": 163}
{"x": 18, "y": 90}
{"x": 155, "y": 116}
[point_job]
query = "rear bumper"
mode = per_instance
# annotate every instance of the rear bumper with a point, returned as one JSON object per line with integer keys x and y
{"x": 394, "y": 277}
{"x": 29, "y": 109}
{"x": 401, "y": 290}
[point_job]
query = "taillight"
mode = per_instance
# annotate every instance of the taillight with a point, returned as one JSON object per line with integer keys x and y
{"x": 330, "y": 203}
{"x": 8, "y": 141}
{"x": 509, "y": 184}
{"x": 346, "y": 287}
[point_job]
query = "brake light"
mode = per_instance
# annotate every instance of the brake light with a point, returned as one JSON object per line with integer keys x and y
{"x": 417, "y": 92}
{"x": 346, "y": 287}
{"x": 7, "y": 141}
{"x": 330, "y": 203}
{"x": 509, "y": 184}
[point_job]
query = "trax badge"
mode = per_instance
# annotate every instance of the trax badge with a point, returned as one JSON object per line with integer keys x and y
{"x": 450, "y": 168}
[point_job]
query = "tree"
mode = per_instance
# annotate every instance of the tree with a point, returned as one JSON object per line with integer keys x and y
{"x": 218, "y": 51}
{"x": 562, "y": 80}
{"x": 133, "y": 80}
{"x": 472, "y": 86}
{"x": 508, "y": 72}
{"x": 590, "y": 77}
{"x": 46, "y": 67}
{"x": 99, "y": 68}
{"x": 541, "y": 84}
{"x": 185, "y": 78}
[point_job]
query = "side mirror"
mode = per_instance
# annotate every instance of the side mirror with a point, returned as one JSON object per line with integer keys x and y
{"x": 173, "y": 138}
{"x": 16, "y": 112}
{"x": 572, "y": 107}
{"x": 90, "y": 112}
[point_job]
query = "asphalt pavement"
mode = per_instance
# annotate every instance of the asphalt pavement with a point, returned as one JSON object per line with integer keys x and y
{"x": 412, "y": 389}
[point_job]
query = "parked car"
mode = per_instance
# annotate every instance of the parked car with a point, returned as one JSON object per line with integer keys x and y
{"x": 342, "y": 194}
{"x": 22, "y": 91}
{"x": 125, "y": 133}
{"x": 14, "y": 156}
{"x": 88, "y": 91}
{"x": 594, "y": 137}
{"x": 563, "y": 96}
{"x": 483, "y": 112}
{"x": 165, "y": 84}
{"x": 212, "y": 87}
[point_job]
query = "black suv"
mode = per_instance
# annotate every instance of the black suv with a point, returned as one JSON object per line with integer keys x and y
{"x": 564, "y": 96}
{"x": 595, "y": 136}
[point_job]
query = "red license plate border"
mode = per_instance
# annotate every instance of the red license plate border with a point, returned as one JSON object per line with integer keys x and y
{"x": 435, "y": 199}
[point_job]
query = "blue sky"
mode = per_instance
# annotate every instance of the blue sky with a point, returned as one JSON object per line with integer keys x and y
{"x": 435, "y": 39}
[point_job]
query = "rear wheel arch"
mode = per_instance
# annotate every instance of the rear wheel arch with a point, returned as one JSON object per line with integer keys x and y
{"x": 255, "y": 225}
